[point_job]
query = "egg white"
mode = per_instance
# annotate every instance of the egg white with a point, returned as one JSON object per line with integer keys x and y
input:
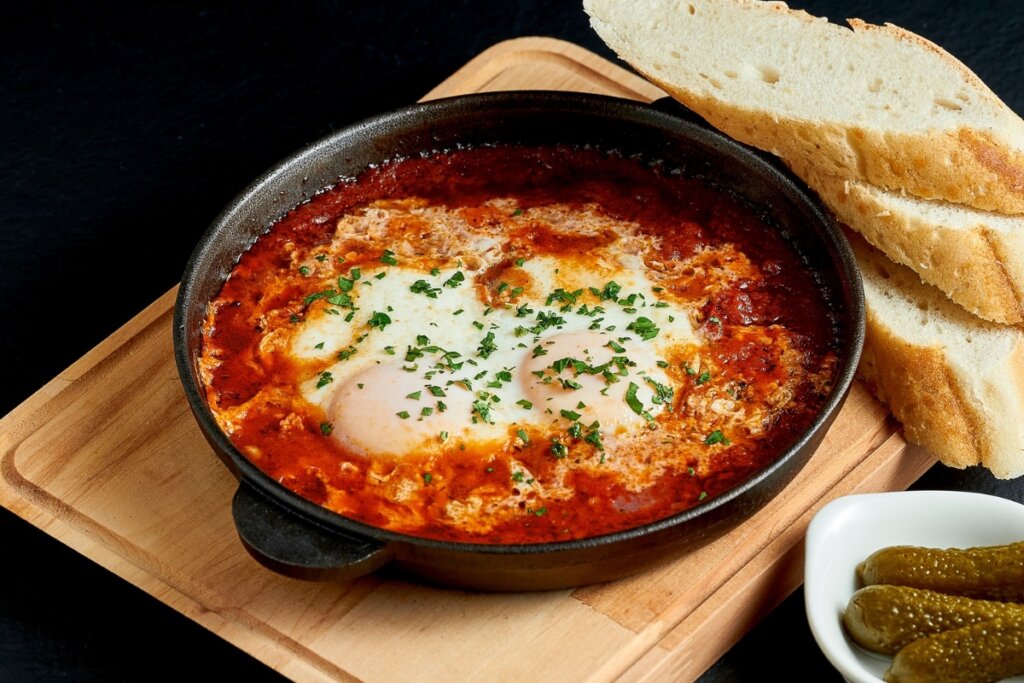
{"x": 380, "y": 399}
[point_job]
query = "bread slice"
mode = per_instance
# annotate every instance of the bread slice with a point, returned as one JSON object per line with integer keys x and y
{"x": 975, "y": 257}
{"x": 875, "y": 103}
{"x": 955, "y": 382}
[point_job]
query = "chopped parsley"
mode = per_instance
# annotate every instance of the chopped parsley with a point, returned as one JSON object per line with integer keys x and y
{"x": 487, "y": 346}
{"x": 379, "y": 320}
{"x": 635, "y": 404}
{"x": 388, "y": 258}
{"x": 617, "y": 348}
{"x": 662, "y": 394}
{"x": 716, "y": 437}
{"x": 632, "y": 401}
{"x": 326, "y": 428}
{"x": 423, "y": 287}
{"x": 564, "y": 297}
{"x": 325, "y": 379}
{"x": 644, "y": 327}
{"x": 455, "y": 280}
{"x": 611, "y": 291}
{"x": 482, "y": 407}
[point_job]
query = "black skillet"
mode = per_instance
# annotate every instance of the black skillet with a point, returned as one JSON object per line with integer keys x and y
{"x": 297, "y": 537}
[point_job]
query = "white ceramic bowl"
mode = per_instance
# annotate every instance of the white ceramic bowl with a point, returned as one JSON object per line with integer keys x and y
{"x": 847, "y": 530}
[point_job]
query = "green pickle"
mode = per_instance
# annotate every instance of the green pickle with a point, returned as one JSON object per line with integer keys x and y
{"x": 885, "y": 618}
{"x": 990, "y": 573}
{"x": 984, "y": 652}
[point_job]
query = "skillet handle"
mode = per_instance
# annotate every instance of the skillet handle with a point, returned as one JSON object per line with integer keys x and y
{"x": 290, "y": 545}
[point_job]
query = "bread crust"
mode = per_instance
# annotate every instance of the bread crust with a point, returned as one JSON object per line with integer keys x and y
{"x": 917, "y": 385}
{"x": 957, "y": 399}
{"x": 935, "y": 165}
{"x": 979, "y": 167}
{"x": 973, "y": 266}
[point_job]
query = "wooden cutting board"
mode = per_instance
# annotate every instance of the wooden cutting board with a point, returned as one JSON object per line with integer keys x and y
{"x": 107, "y": 459}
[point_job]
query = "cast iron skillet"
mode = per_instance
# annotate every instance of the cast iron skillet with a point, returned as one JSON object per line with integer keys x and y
{"x": 297, "y": 537}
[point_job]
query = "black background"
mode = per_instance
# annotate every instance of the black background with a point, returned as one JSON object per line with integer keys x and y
{"x": 126, "y": 127}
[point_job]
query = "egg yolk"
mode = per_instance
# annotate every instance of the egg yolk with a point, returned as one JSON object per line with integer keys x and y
{"x": 387, "y": 410}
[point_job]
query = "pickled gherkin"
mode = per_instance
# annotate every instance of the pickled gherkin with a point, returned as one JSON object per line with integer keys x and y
{"x": 989, "y": 573}
{"x": 984, "y": 652}
{"x": 885, "y": 618}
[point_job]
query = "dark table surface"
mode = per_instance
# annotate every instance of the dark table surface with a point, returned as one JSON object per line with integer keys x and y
{"x": 124, "y": 130}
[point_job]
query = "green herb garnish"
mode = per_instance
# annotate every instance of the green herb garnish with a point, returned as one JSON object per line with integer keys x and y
{"x": 716, "y": 437}
{"x": 644, "y": 327}
{"x": 379, "y": 320}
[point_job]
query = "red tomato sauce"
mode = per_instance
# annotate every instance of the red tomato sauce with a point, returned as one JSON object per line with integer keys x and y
{"x": 686, "y": 221}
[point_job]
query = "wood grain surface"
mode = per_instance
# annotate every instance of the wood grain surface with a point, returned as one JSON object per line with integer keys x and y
{"x": 107, "y": 458}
